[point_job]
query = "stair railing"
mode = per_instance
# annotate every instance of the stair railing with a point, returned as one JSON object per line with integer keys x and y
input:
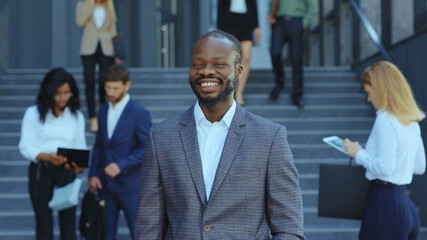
{"x": 370, "y": 29}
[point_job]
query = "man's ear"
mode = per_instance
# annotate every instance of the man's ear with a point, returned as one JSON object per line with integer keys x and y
{"x": 127, "y": 86}
{"x": 239, "y": 70}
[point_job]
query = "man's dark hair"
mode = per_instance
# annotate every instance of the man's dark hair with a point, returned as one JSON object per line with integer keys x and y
{"x": 53, "y": 80}
{"x": 117, "y": 73}
{"x": 223, "y": 35}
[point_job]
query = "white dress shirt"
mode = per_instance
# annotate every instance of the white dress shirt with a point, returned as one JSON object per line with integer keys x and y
{"x": 99, "y": 16}
{"x": 238, "y": 6}
{"x": 394, "y": 152}
{"x": 114, "y": 113}
{"x": 66, "y": 130}
{"x": 211, "y": 139}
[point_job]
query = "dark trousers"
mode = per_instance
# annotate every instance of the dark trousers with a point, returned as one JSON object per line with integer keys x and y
{"x": 114, "y": 202}
{"x": 289, "y": 30}
{"x": 389, "y": 214}
{"x": 89, "y": 62}
{"x": 41, "y": 191}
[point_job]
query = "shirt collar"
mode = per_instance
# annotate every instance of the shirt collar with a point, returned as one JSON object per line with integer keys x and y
{"x": 380, "y": 111}
{"x": 66, "y": 111}
{"x": 227, "y": 119}
{"x": 121, "y": 104}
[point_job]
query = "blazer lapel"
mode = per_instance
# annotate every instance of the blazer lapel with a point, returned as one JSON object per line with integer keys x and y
{"x": 232, "y": 143}
{"x": 103, "y": 126}
{"x": 126, "y": 112}
{"x": 191, "y": 149}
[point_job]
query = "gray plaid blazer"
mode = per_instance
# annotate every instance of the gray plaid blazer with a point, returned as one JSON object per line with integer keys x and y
{"x": 255, "y": 194}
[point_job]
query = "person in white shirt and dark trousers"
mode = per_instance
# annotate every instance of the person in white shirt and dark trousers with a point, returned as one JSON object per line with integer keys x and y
{"x": 393, "y": 153}
{"x": 55, "y": 121}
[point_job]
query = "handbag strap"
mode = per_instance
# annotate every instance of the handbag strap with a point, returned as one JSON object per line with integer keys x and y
{"x": 351, "y": 160}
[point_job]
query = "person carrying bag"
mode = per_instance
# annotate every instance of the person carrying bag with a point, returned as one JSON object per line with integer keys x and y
{"x": 55, "y": 121}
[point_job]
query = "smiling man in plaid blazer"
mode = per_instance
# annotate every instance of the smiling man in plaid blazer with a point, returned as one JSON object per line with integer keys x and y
{"x": 217, "y": 171}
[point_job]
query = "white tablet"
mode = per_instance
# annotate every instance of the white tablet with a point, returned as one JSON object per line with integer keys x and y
{"x": 336, "y": 143}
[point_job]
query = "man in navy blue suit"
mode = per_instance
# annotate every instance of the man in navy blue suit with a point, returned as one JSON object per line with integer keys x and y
{"x": 117, "y": 154}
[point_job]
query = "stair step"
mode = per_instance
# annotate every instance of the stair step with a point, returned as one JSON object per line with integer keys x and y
{"x": 254, "y": 99}
{"x": 335, "y": 105}
{"x": 303, "y": 136}
{"x": 180, "y": 88}
{"x": 295, "y": 123}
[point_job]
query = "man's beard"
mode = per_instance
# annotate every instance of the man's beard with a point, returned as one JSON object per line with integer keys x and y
{"x": 231, "y": 85}
{"x": 115, "y": 100}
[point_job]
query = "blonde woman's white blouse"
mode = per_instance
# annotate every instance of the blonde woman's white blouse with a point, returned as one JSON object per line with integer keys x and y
{"x": 394, "y": 152}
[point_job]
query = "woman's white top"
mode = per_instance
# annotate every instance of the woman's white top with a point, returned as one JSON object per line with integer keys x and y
{"x": 66, "y": 130}
{"x": 99, "y": 16}
{"x": 394, "y": 152}
{"x": 238, "y": 6}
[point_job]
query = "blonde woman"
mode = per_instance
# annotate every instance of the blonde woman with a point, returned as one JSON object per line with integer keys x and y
{"x": 98, "y": 19}
{"x": 393, "y": 153}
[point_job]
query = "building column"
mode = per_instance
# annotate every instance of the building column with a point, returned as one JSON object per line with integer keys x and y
{"x": 420, "y": 15}
{"x": 386, "y": 24}
{"x": 356, "y": 36}
{"x": 337, "y": 32}
{"x": 59, "y": 33}
{"x": 321, "y": 33}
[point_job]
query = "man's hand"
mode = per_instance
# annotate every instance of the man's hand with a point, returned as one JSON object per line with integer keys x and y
{"x": 272, "y": 15}
{"x": 271, "y": 19}
{"x": 94, "y": 183}
{"x": 117, "y": 60}
{"x": 112, "y": 170}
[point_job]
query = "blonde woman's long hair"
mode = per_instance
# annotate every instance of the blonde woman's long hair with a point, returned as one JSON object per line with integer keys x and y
{"x": 110, "y": 8}
{"x": 393, "y": 92}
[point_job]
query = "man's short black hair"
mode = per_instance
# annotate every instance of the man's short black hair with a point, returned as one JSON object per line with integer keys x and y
{"x": 117, "y": 72}
{"x": 223, "y": 35}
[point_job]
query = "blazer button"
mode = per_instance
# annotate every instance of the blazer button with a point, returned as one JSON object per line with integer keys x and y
{"x": 207, "y": 228}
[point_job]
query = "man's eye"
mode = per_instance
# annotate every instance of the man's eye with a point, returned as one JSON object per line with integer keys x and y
{"x": 197, "y": 65}
{"x": 220, "y": 64}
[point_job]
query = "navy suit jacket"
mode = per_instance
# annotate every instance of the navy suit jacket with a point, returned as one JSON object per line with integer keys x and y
{"x": 125, "y": 147}
{"x": 255, "y": 191}
{"x": 223, "y": 17}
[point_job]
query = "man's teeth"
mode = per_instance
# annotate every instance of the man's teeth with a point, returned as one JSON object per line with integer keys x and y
{"x": 208, "y": 84}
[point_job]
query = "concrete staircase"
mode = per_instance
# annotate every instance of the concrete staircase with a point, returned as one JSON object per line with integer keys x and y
{"x": 335, "y": 105}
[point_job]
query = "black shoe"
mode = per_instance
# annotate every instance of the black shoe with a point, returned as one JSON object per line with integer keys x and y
{"x": 274, "y": 94}
{"x": 299, "y": 102}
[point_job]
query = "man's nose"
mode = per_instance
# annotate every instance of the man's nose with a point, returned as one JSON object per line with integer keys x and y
{"x": 208, "y": 70}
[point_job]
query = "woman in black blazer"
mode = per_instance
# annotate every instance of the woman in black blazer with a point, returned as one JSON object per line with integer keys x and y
{"x": 240, "y": 18}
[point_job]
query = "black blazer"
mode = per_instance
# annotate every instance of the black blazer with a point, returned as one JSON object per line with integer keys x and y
{"x": 224, "y": 13}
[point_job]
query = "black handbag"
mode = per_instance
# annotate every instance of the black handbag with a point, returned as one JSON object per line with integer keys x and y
{"x": 119, "y": 49}
{"x": 92, "y": 218}
{"x": 343, "y": 190}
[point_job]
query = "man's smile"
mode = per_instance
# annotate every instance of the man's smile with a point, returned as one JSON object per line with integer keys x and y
{"x": 208, "y": 84}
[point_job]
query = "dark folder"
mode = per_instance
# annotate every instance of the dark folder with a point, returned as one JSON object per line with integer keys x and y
{"x": 80, "y": 157}
{"x": 343, "y": 190}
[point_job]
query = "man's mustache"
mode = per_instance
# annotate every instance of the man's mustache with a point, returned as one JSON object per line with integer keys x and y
{"x": 209, "y": 77}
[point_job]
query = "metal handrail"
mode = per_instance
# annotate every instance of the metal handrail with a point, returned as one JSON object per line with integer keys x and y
{"x": 370, "y": 29}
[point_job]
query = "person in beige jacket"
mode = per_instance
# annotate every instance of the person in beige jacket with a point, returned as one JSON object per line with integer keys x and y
{"x": 98, "y": 19}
